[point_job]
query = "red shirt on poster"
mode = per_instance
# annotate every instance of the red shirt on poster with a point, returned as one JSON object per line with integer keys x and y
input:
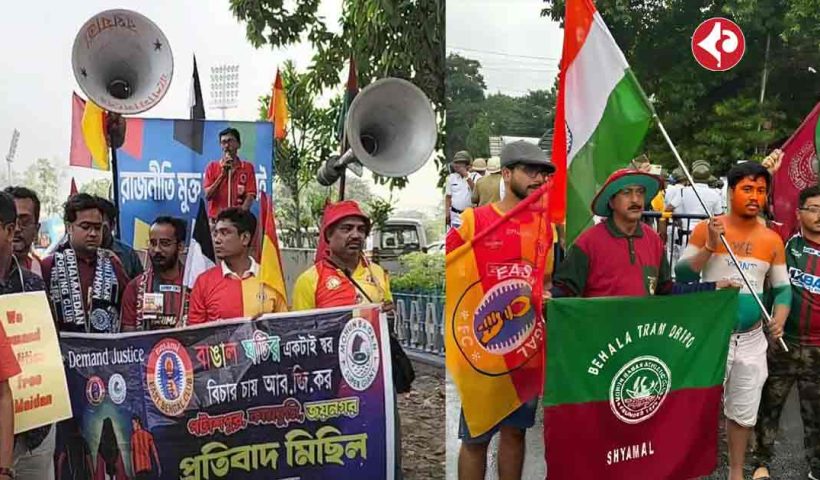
{"x": 242, "y": 182}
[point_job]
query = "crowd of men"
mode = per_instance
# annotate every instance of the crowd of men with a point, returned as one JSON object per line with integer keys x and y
{"x": 97, "y": 284}
{"x": 758, "y": 375}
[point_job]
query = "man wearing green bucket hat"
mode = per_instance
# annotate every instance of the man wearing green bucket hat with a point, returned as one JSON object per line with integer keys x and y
{"x": 621, "y": 256}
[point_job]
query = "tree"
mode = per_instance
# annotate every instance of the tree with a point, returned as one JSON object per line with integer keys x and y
{"x": 100, "y": 187}
{"x": 465, "y": 97}
{"x": 472, "y": 118}
{"x": 310, "y": 140}
{"x": 385, "y": 38}
{"x": 700, "y": 109}
{"x": 43, "y": 178}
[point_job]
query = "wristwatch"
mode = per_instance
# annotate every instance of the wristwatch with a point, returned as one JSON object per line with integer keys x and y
{"x": 8, "y": 473}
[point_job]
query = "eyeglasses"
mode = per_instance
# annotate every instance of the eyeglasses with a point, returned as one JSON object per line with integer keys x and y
{"x": 533, "y": 171}
{"x": 813, "y": 210}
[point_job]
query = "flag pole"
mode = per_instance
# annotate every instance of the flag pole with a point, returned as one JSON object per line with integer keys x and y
{"x": 115, "y": 185}
{"x": 766, "y": 314}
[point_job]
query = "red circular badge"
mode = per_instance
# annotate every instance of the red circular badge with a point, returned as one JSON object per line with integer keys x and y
{"x": 718, "y": 44}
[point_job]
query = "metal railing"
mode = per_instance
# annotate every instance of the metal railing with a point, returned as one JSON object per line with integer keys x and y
{"x": 419, "y": 321}
{"x": 679, "y": 229}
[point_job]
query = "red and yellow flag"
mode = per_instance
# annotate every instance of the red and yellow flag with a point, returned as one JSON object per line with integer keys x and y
{"x": 271, "y": 272}
{"x": 494, "y": 325}
{"x": 278, "y": 108}
{"x": 89, "y": 147}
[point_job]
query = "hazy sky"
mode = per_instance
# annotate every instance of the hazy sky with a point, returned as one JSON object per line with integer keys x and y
{"x": 37, "y": 82}
{"x": 518, "y": 49}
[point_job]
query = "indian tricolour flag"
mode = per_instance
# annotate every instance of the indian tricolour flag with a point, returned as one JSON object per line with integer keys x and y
{"x": 633, "y": 385}
{"x": 602, "y": 116}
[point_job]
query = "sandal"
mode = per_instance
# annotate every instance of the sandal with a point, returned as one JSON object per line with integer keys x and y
{"x": 761, "y": 473}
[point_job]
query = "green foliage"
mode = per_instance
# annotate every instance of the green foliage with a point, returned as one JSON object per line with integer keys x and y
{"x": 402, "y": 39}
{"x": 379, "y": 210}
{"x": 43, "y": 177}
{"x": 472, "y": 118}
{"x": 100, "y": 187}
{"x": 309, "y": 141}
{"x": 709, "y": 115}
{"x": 422, "y": 273}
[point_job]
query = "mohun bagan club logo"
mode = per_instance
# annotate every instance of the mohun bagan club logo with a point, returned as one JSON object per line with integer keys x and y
{"x": 639, "y": 388}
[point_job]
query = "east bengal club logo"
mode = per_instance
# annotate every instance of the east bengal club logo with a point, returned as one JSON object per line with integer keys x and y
{"x": 505, "y": 325}
{"x": 170, "y": 377}
{"x": 639, "y": 388}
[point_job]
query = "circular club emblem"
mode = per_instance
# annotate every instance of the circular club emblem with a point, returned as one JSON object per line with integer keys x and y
{"x": 639, "y": 388}
{"x": 95, "y": 390}
{"x": 359, "y": 354}
{"x": 803, "y": 167}
{"x": 101, "y": 320}
{"x": 170, "y": 377}
{"x": 718, "y": 44}
{"x": 116, "y": 388}
{"x": 505, "y": 324}
{"x": 333, "y": 283}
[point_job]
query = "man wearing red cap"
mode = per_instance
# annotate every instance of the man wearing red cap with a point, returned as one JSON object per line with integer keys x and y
{"x": 342, "y": 275}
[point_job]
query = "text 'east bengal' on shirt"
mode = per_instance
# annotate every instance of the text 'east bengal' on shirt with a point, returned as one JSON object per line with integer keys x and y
{"x": 803, "y": 263}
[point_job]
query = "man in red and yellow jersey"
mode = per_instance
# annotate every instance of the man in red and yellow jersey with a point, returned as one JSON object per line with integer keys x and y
{"x": 342, "y": 275}
{"x": 143, "y": 449}
{"x": 229, "y": 181}
{"x": 501, "y": 253}
{"x": 232, "y": 288}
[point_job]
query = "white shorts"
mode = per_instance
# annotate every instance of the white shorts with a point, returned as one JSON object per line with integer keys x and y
{"x": 746, "y": 372}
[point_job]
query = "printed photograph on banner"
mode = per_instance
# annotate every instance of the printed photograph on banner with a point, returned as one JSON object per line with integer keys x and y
{"x": 661, "y": 150}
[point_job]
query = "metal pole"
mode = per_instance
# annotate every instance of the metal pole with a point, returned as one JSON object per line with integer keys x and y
{"x": 116, "y": 187}
{"x": 766, "y": 314}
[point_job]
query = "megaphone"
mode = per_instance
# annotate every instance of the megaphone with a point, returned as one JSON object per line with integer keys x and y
{"x": 122, "y": 61}
{"x": 391, "y": 129}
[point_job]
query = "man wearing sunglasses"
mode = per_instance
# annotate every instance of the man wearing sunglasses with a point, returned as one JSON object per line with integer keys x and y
{"x": 524, "y": 169}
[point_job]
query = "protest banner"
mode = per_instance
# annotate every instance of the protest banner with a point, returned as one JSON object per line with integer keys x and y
{"x": 299, "y": 395}
{"x": 39, "y": 391}
{"x": 633, "y": 385}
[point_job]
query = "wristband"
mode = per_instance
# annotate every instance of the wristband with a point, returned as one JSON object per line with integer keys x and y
{"x": 710, "y": 250}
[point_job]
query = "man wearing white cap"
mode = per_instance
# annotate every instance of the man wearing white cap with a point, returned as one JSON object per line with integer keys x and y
{"x": 488, "y": 188}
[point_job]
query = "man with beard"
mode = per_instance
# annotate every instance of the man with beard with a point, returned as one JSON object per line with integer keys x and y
{"x": 802, "y": 335}
{"x": 156, "y": 299}
{"x": 524, "y": 168}
{"x": 14, "y": 279}
{"x": 85, "y": 282}
{"x": 229, "y": 182}
{"x": 760, "y": 252}
{"x": 28, "y": 226}
{"x": 232, "y": 288}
